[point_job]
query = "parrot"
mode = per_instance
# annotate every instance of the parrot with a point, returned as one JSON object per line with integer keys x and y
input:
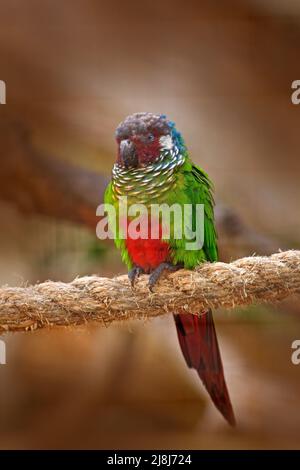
{"x": 153, "y": 166}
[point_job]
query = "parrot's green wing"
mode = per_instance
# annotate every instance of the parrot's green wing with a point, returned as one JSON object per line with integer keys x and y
{"x": 205, "y": 196}
{"x": 194, "y": 187}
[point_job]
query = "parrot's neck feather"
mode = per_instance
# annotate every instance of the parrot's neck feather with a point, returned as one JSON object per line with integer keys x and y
{"x": 142, "y": 185}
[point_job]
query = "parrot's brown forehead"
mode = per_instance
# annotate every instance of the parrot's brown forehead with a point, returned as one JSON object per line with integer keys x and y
{"x": 142, "y": 123}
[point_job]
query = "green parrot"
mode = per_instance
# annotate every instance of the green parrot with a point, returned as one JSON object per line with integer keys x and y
{"x": 153, "y": 167}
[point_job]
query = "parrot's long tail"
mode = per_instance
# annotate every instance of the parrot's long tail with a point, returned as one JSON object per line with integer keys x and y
{"x": 199, "y": 344}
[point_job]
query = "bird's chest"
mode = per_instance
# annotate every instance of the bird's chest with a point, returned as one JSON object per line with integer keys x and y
{"x": 145, "y": 246}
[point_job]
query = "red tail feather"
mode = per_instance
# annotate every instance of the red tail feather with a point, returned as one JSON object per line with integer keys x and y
{"x": 199, "y": 344}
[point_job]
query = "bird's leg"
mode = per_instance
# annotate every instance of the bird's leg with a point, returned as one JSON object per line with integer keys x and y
{"x": 134, "y": 273}
{"x": 155, "y": 275}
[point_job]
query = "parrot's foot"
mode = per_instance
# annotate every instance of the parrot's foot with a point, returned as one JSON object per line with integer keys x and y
{"x": 134, "y": 273}
{"x": 155, "y": 275}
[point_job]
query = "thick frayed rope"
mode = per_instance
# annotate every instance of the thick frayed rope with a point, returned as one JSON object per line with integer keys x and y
{"x": 103, "y": 300}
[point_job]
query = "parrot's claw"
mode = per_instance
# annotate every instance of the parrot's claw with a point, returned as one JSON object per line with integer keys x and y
{"x": 134, "y": 273}
{"x": 156, "y": 274}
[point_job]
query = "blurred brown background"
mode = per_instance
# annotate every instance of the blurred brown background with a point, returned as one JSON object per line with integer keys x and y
{"x": 73, "y": 70}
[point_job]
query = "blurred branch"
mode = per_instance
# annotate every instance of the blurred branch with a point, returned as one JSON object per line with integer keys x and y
{"x": 40, "y": 184}
{"x": 212, "y": 285}
{"x": 237, "y": 239}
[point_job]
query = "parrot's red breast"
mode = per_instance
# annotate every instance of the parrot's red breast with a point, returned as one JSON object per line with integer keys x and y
{"x": 148, "y": 253}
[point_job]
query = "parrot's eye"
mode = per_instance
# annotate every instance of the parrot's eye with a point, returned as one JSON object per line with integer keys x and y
{"x": 150, "y": 137}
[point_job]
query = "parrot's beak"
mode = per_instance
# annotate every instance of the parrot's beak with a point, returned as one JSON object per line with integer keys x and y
{"x": 128, "y": 154}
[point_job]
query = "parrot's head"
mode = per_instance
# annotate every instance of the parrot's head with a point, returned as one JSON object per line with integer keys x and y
{"x": 143, "y": 138}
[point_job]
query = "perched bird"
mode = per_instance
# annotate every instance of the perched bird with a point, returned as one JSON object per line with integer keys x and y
{"x": 153, "y": 167}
